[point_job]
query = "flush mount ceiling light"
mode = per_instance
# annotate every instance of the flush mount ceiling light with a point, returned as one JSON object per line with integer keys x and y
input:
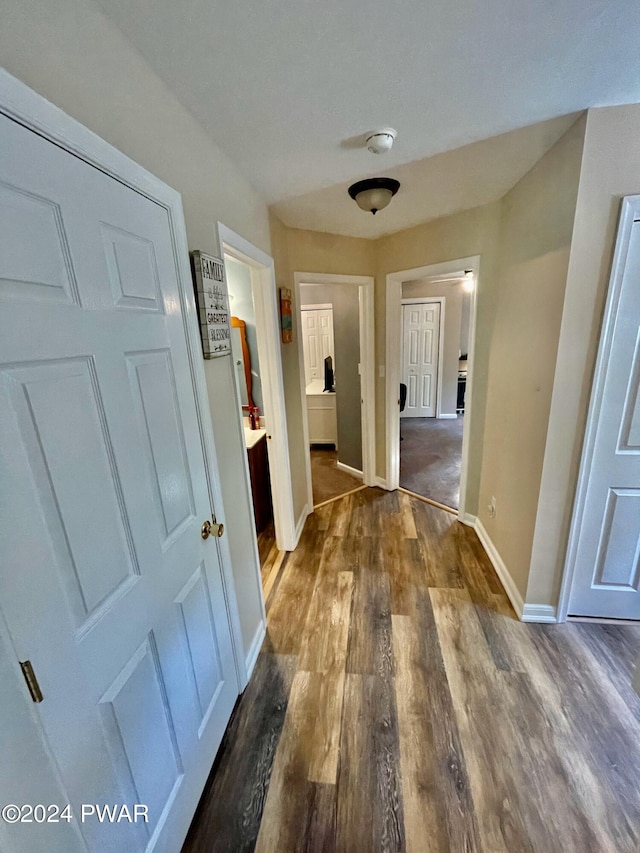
{"x": 381, "y": 140}
{"x": 373, "y": 194}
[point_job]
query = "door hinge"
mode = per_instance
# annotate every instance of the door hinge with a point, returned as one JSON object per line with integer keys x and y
{"x": 32, "y": 681}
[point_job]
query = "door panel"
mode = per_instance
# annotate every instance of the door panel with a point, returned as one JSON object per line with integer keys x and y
{"x": 421, "y": 329}
{"x": 607, "y": 576}
{"x": 317, "y": 341}
{"x": 34, "y": 253}
{"x": 105, "y": 582}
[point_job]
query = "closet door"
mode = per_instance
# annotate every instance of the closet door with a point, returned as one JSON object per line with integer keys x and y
{"x": 317, "y": 340}
{"x": 106, "y": 584}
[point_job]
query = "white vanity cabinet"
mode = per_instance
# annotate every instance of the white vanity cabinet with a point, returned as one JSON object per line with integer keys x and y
{"x": 321, "y": 411}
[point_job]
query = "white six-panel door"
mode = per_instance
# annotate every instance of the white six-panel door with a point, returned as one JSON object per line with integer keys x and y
{"x": 106, "y": 585}
{"x": 317, "y": 340}
{"x": 420, "y": 336}
{"x": 606, "y": 581}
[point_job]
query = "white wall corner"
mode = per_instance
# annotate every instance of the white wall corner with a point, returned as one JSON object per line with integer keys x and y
{"x": 501, "y": 570}
{"x": 254, "y": 651}
{"x": 539, "y": 613}
{"x": 381, "y": 483}
{"x": 468, "y": 519}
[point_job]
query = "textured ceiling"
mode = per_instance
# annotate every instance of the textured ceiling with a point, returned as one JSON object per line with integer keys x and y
{"x": 288, "y": 87}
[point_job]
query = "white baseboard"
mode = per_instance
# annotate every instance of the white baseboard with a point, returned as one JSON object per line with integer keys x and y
{"x": 254, "y": 650}
{"x": 300, "y": 526}
{"x": 444, "y": 417}
{"x": 468, "y": 519}
{"x": 501, "y": 570}
{"x": 539, "y": 613}
{"x": 349, "y": 470}
{"x": 381, "y": 483}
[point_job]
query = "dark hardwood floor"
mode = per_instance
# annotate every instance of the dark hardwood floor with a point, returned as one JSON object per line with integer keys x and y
{"x": 397, "y": 704}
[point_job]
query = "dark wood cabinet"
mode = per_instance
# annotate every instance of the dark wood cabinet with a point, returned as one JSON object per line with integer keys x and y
{"x": 260, "y": 483}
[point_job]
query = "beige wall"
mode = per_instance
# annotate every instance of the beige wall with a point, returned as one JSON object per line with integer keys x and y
{"x": 295, "y": 250}
{"x": 472, "y": 232}
{"x": 610, "y": 170}
{"x": 69, "y": 52}
{"x": 535, "y": 237}
{"x": 453, "y": 295}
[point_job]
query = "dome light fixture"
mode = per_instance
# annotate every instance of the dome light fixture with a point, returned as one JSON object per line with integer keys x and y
{"x": 381, "y": 140}
{"x": 373, "y": 194}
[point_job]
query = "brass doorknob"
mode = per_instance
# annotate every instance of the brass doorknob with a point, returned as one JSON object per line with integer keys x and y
{"x": 208, "y": 529}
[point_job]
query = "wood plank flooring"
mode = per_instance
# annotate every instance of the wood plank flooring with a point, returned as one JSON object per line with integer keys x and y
{"x": 397, "y": 704}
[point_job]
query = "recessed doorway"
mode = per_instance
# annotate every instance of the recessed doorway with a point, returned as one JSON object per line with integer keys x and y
{"x": 335, "y": 346}
{"x": 430, "y": 338}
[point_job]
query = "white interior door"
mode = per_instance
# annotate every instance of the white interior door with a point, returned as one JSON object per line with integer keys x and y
{"x": 317, "y": 341}
{"x": 420, "y": 334}
{"x": 106, "y": 585}
{"x": 607, "y": 576}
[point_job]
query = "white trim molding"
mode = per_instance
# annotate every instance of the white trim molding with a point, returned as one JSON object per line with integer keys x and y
{"x": 381, "y": 483}
{"x": 393, "y": 355}
{"x": 502, "y": 571}
{"x": 524, "y": 612}
{"x": 539, "y": 613}
{"x": 365, "y": 284}
{"x": 306, "y": 512}
{"x": 263, "y": 287}
{"x": 349, "y": 470}
{"x": 254, "y": 650}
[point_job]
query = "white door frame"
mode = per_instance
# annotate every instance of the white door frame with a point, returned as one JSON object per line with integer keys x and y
{"x": 265, "y": 302}
{"x": 365, "y": 285}
{"x": 392, "y": 368}
{"x": 424, "y": 300}
{"x": 31, "y": 110}
{"x": 629, "y": 213}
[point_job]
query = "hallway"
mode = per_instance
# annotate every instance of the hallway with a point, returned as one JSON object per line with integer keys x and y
{"x": 397, "y": 704}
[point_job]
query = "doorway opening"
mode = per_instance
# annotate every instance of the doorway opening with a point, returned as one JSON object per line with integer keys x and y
{"x": 260, "y": 396}
{"x": 335, "y": 348}
{"x": 431, "y": 315}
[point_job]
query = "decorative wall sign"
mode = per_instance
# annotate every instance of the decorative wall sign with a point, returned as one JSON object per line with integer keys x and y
{"x": 213, "y": 304}
{"x": 286, "y": 318}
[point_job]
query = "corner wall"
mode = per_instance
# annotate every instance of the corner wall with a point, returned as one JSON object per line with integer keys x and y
{"x": 610, "y": 170}
{"x": 535, "y": 239}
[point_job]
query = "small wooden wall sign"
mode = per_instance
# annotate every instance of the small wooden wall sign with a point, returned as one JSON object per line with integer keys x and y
{"x": 213, "y": 304}
{"x": 286, "y": 315}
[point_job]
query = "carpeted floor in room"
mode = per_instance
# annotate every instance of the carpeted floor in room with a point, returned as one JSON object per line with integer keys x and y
{"x": 328, "y": 480}
{"x": 430, "y": 458}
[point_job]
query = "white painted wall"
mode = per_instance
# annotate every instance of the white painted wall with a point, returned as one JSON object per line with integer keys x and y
{"x": 68, "y": 51}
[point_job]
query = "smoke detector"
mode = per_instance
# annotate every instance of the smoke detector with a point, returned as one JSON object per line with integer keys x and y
{"x": 381, "y": 140}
